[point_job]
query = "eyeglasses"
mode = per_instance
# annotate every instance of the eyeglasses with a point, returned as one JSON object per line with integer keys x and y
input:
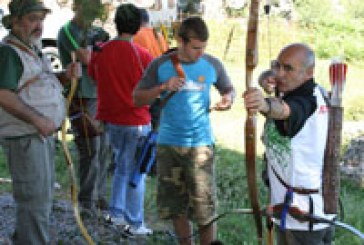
{"x": 276, "y": 66}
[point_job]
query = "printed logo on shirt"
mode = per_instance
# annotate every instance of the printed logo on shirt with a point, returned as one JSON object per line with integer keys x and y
{"x": 190, "y": 85}
{"x": 201, "y": 79}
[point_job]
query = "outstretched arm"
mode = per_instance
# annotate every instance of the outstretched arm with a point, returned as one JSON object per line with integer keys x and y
{"x": 270, "y": 107}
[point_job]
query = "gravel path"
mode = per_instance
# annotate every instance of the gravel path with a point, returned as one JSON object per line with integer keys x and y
{"x": 64, "y": 230}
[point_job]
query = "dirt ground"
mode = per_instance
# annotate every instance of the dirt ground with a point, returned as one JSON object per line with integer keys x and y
{"x": 64, "y": 230}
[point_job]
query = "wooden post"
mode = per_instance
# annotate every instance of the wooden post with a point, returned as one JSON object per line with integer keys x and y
{"x": 331, "y": 171}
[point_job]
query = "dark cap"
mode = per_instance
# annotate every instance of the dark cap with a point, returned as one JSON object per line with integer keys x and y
{"x": 22, "y": 7}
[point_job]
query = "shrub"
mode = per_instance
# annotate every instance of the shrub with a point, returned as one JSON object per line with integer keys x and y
{"x": 334, "y": 30}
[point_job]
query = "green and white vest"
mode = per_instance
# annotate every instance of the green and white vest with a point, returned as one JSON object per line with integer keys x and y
{"x": 299, "y": 162}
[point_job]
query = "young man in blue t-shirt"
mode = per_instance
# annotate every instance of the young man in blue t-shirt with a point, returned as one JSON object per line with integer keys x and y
{"x": 185, "y": 154}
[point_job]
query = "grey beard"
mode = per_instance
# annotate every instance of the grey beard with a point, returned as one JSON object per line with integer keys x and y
{"x": 37, "y": 42}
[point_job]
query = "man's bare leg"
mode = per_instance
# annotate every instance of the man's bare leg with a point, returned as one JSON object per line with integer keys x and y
{"x": 183, "y": 230}
{"x": 207, "y": 234}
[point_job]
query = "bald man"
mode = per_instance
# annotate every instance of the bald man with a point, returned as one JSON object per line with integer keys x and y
{"x": 295, "y": 139}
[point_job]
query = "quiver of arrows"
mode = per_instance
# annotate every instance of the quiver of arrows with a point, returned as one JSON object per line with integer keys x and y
{"x": 331, "y": 170}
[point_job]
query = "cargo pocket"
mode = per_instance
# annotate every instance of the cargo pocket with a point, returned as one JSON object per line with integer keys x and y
{"x": 27, "y": 169}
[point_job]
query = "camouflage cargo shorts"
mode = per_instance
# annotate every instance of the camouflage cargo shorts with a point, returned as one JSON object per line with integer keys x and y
{"x": 186, "y": 183}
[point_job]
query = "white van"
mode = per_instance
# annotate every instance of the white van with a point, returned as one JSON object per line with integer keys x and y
{"x": 3, "y": 31}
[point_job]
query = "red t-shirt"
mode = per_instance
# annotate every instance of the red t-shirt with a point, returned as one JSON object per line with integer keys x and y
{"x": 117, "y": 69}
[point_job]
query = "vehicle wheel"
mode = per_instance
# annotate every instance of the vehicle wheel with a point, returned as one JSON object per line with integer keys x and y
{"x": 51, "y": 53}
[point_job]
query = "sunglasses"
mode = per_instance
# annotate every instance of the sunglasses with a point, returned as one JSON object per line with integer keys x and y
{"x": 276, "y": 66}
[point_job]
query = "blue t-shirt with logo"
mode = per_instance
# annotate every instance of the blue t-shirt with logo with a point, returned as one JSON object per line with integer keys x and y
{"x": 185, "y": 117}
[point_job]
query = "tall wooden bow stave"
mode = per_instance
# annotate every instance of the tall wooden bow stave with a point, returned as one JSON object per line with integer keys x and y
{"x": 71, "y": 170}
{"x": 251, "y": 61}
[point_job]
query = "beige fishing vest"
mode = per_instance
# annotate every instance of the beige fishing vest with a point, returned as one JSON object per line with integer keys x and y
{"x": 38, "y": 87}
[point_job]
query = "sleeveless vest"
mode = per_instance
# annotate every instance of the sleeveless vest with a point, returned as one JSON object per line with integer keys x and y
{"x": 38, "y": 87}
{"x": 298, "y": 161}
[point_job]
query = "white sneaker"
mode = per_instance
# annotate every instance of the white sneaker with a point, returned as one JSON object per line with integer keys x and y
{"x": 119, "y": 221}
{"x": 140, "y": 231}
{"x": 57, "y": 186}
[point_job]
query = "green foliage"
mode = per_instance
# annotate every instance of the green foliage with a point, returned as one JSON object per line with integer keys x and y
{"x": 334, "y": 30}
{"x": 355, "y": 8}
{"x": 91, "y": 10}
{"x": 230, "y": 175}
{"x": 236, "y": 13}
{"x": 310, "y": 16}
{"x": 232, "y": 194}
{"x": 354, "y": 111}
{"x": 350, "y": 197}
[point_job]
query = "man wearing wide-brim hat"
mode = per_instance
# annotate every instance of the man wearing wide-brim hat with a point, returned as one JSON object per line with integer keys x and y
{"x": 19, "y": 8}
{"x": 31, "y": 109}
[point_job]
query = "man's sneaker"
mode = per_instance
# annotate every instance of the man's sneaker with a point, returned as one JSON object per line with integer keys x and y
{"x": 119, "y": 221}
{"x": 57, "y": 186}
{"x": 140, "y": 231}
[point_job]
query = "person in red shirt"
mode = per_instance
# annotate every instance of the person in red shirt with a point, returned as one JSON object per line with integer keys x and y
{"x": 117, "y": 68}
{"x": 149, "y": 38}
